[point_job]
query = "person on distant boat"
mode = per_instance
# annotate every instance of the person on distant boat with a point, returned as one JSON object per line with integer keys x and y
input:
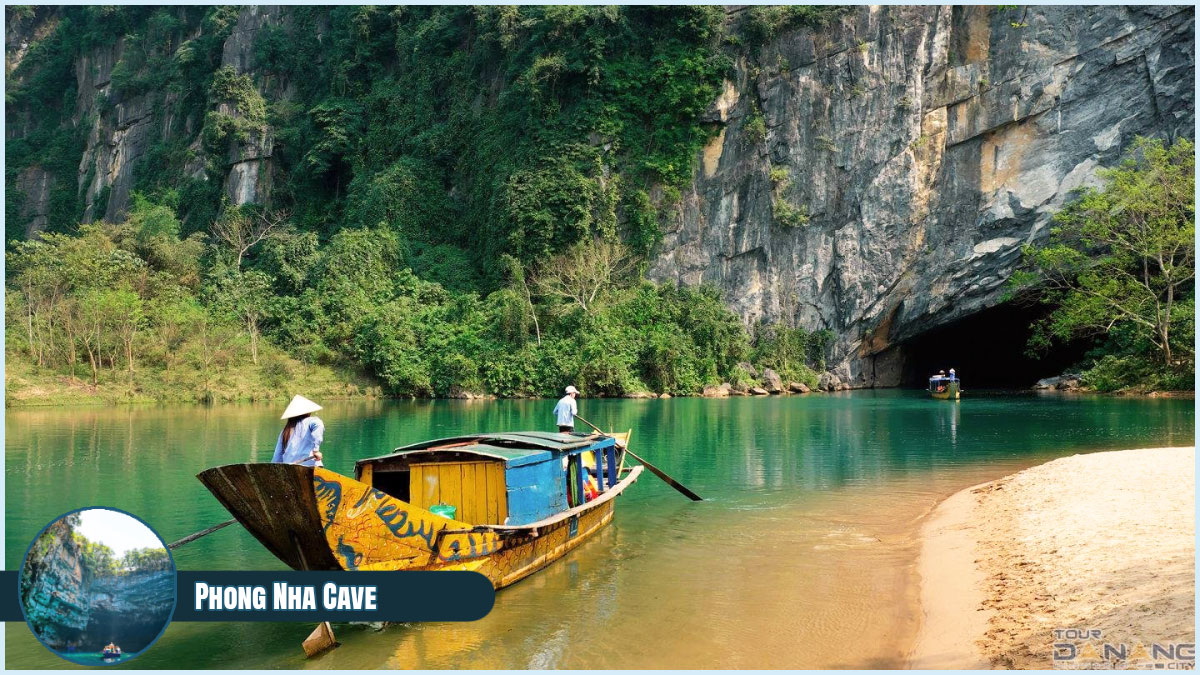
{"x": 952, "y": 373}
{"x": 300, "y": 440}
{"x": 565, "y": 411}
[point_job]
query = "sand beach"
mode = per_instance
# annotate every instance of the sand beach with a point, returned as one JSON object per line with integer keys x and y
{"x": 1073, "y": 563}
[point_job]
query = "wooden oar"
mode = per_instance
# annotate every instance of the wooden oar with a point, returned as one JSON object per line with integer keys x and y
{"x": 653, "y": 469}
{"x": 193, "y": 537}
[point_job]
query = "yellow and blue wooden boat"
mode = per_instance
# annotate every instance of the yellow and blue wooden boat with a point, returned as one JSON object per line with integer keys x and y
{"x": 944, "y": 388}
{"x": 515, "y": 499}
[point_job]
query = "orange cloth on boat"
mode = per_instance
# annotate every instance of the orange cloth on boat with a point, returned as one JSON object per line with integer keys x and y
{"x": 590, "y": 488}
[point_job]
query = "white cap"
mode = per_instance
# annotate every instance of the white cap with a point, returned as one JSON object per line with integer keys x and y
{"x": 299, "y": 406}
{"x": 572, "y": 390}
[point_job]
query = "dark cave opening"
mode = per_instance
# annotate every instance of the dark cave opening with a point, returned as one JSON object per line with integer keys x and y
{"x": 132, "y": 632}
{"x": 988, "y": 351}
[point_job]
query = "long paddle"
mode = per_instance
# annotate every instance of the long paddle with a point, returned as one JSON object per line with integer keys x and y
{"x": 193, "y": 537}
{"x": 653, "y": 469}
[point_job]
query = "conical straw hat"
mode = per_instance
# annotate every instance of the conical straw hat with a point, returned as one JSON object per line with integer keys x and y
{"x": 299, "y": 406}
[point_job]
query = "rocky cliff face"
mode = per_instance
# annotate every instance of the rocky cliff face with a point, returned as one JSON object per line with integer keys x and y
{"x": 131, "y": 609}
{"x": 67, "y": 606}
{"x": 54, "y": 588}
{"x": 878, "y": 178}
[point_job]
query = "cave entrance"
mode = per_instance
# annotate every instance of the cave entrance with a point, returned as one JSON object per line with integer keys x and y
{"x": 987, "y": 349}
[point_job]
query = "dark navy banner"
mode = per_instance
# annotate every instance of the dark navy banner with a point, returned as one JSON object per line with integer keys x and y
{"x": 315, "y": 596}
{"x": 10, "y": 604}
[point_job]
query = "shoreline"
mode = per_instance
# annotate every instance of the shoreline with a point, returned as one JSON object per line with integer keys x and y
{"x": 1102, "y": 541}
{"x": 79, "y": 396}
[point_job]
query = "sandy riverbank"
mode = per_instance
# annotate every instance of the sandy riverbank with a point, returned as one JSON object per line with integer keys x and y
{"x": 1103, "y": 541}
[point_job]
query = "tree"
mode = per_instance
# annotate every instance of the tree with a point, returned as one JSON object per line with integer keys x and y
{"x": 520, "y": 283}
{"x": 174, "y": 320}
{"x": 210, "y": 348}
{"x": 241, "y": 228}
{"x": 90, "y": 320}
{"x": 123, "y": 312}
{"x": 1122, "y": 255}
{"x": 584, "y": 271}
{"x": 247, "y": 296}
{"x": 36, "y": 267}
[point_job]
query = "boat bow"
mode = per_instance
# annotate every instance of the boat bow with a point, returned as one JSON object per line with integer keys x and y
{"x": 275, "y": 503}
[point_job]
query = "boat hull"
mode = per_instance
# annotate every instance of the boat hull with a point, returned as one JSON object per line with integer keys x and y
{"x": 949, "y": 393}
{"x": 316, "y": 519}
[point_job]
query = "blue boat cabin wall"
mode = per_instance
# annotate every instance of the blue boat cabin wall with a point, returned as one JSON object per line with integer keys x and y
{"x": 537, "y": 486}
{"x": 536, "y": 491}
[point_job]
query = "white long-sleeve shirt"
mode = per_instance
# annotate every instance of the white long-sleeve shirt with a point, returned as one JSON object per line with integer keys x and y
{"x": 565, "y": 411}
{"x": 306, "y": 439}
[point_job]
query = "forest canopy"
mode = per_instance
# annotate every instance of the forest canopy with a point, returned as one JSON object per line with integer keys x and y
{"x": 1119, "y": 267}
{"x": 462, "y": 199}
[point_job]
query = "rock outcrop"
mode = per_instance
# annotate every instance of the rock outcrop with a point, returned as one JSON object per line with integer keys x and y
{"x": 772, "y": 382}
{"x": 117, "y": 139}
{"x": 248, "y": 165}
{"x": 54, "y": 590}
{"x": 1066, "y": 382}
{"x": 908, "y": 154}
{"x": 720, "y": 391}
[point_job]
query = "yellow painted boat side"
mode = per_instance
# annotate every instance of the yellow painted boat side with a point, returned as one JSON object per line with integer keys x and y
{"x": 530, "y": 554}
{"x": 367, "y": 529}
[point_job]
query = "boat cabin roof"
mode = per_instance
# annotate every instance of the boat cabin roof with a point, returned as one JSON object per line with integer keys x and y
{"x": 514, "y": 448}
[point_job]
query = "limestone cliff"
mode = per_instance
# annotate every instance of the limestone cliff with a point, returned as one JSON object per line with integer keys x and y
{"x": 54, "y": 587}
{"x": 875, "y": 177}
{"x": 72, "y": 607}
{"x": 878, "y": 177}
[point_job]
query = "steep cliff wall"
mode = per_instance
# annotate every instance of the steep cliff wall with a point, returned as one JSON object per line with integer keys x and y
{"x": 875, "y": 177}
{"x": 130, "y": 609}
{"x": 878, "y": 177}
{"x": 70, "y": 606}
{"x": 54, "y": 588}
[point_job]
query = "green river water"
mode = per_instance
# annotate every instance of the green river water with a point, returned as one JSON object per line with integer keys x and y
{"x": 802, "y": 556}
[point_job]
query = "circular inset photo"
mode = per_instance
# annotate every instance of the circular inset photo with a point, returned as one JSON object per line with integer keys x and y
{"x": 97, "y": 586}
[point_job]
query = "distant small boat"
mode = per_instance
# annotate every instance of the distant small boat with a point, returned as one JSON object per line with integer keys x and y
{"x": 504, "y": 505}
{"x": 110, "y": 654}
{"x": 944, "y": 388}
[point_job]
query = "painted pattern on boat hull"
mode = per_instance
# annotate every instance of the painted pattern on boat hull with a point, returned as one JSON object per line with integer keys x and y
{"x": 314, "y": 518}
{"x": 949, "y": 392}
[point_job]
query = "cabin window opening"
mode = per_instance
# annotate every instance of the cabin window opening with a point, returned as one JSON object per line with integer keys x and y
{"x": 394, "y": 483}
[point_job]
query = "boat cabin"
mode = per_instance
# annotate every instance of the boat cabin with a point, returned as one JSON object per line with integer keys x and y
{"x": 496, "y": 479}
{"x": 939, "y": 384}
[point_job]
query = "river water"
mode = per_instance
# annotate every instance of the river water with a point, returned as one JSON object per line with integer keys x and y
{"x": 802, "y": 555}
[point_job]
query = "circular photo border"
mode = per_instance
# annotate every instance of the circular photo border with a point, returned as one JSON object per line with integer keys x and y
{"x": 174, "y": 585}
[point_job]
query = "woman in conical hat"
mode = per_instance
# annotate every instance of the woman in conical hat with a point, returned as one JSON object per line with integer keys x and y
{"x": 300, "y": 440}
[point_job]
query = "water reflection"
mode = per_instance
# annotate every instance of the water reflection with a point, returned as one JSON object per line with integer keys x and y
{"x": 803, "y": 546}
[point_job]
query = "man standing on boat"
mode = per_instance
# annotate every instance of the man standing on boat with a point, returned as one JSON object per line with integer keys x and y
{"x": 566, "y": 410}
{"x": 300, "y": 440}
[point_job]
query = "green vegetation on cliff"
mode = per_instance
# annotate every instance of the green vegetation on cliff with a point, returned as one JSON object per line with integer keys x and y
{"x": 135, "y": 305}
{"x": 1120, "y": 267}
{"x": 462, "y": 200}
